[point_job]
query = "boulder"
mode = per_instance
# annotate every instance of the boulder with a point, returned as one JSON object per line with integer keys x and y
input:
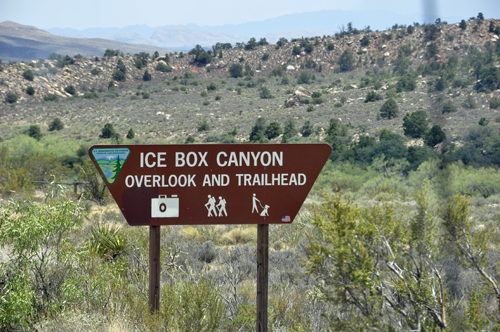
{"x": 299, "y": 94}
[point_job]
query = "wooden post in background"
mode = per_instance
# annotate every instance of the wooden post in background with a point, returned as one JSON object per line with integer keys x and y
{"x": 154, "y": 268}
{"x": 262, "y": 276}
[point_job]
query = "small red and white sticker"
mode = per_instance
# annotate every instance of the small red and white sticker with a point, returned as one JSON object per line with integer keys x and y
{"x": 285, "y": 219}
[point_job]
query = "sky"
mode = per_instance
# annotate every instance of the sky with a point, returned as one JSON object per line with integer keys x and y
{"x": 119, "y": 13}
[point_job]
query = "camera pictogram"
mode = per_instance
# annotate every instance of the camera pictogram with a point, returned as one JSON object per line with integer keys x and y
{"x": 163, "y": 207}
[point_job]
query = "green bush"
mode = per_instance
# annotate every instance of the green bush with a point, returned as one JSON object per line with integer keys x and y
{"x": 273, "y": 130}
{"x": 415, "y": 125}
{"x": 189, "y": 140}
{"x": 265, "y": 56}
{"x": 483, "y": 122}
{"x": 389, "y": 109}
{"x": 119, "y": 76}
{"x": 449, "y": 107}
{"x": 203, "y": 125}
{"x": 296, "y": 50}
{"x": 11, "y": 98}
{"x": 218, "y": 97}
{"x": 56, "y": 124}
{"x": 206, "y": 103}
{"x": 236, "y": 70}
{"x": 346, "y": 61}
{"x": 28, "y": 74}
{"x": 463, "y": 25}
{"x": 204, "y": 93}
{"x": 265, "y": 93}
{"x": 145, "y": 95}
{"x": 30, "y": 90}
{"x": 307, "y": 129}
{"x": 372, "y": 96}
{"x": 304, "y": 77}
{"x": 70, "y": 89}
{"x": 108, "y": 131}
{"x": 365, "y": 41}
{"x": 90, "y": 95}
{"x": 310, "y": 108}
{"x": 35, "y": 132}
{"x": 50, "y": 97}
{"x": 330, "y": 46}
{"x": 434, "y": 136}
{"x": 95, "y": 71}
{"x": 212, "y": 87}
{"x": 130, "y": 134}
{"x": 163, "y": 67}
{"x": 406, "y": 83}
{"x": 146, "y": 76}
{"x": 494, "y": 103}
{"x": 257, "y": 133}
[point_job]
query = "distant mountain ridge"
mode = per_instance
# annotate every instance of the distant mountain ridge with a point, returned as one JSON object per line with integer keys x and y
{"x": 24, "y": 43}
{"x": 325, "y": 22}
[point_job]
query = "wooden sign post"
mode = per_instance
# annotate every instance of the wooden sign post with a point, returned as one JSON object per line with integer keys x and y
{"x": 154, "y": 268}
{"x": 262, "y": 276}
{"x": 209, "y": 184}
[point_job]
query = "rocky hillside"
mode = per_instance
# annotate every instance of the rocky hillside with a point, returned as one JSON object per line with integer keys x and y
{"x": 182, "y": 93}
{"x": 382, "y": 47}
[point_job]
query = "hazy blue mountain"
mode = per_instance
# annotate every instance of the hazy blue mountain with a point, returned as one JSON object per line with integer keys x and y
{"x": 181, "y": 37}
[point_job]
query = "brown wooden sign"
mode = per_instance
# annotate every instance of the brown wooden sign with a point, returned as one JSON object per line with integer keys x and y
{"x": 209, "y": 183}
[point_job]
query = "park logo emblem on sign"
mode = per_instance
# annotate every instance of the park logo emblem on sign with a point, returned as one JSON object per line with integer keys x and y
{"x": 110, "y": 161}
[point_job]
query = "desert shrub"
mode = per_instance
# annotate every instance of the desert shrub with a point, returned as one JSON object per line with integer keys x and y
{"x": 372, "y": 96}
{"x": 265, "y": 56}
{"x": 130, "y": 134}
{"x": 296, "y": 50}
{"x": 483, "y": 122}
{"x": 449, "y": 107}
{"x": 273, "y": 130}
{"x": 310, "y": 108}
{"x": 304, "y": 77}
{"x": 257, "y": 133}
{"x": 70, "y": 89}
{"x": 218, "y": 97}
{"x": 212, "y": 87}
{"x": 35, "y": 132}
{"x": 146, "y": 76}
{"x": 11, "y": 98}
{"x": 307, "y": 129}
{"x": 365, "y": 41}
{"x": 494, "y": 103}
{"x": 469, "y": 103}
{"x": 236, "y": 70}
{"x": 30, "y": 90}
{"x": 108, "y": 131}
{"x": 434, "y": 136}
{"x": 308, "y": 47}
{"x": 204, "y": 93}
{"x": 95, "y": 71}
{"x": 56, "y": 124}
{"x": 389, "y": 109}
{"x": 415, "y": 125}
{"x": 189, "y": 140}
{"x": 330, "y": 46}
{"x": 28, "y": 74}
{"x": 463, "y": 25}
{"x": 163, "y": 67}
{"x": 265, "y": 93}
{"x": 285, "y": 80}
{"x": 35, "y": 235}
{"x": 346, "y": 61}
{"x": 406, "y": 83}
{"x": 206, "y": 103}
{"x": 50, "y": 97}
{"x": 145, "y": 95}
{"x": 289, "y": 130}
{"x": 119, "y": 76}
{"x": 203, "y": 125}
{"x": 90, "y": 95}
